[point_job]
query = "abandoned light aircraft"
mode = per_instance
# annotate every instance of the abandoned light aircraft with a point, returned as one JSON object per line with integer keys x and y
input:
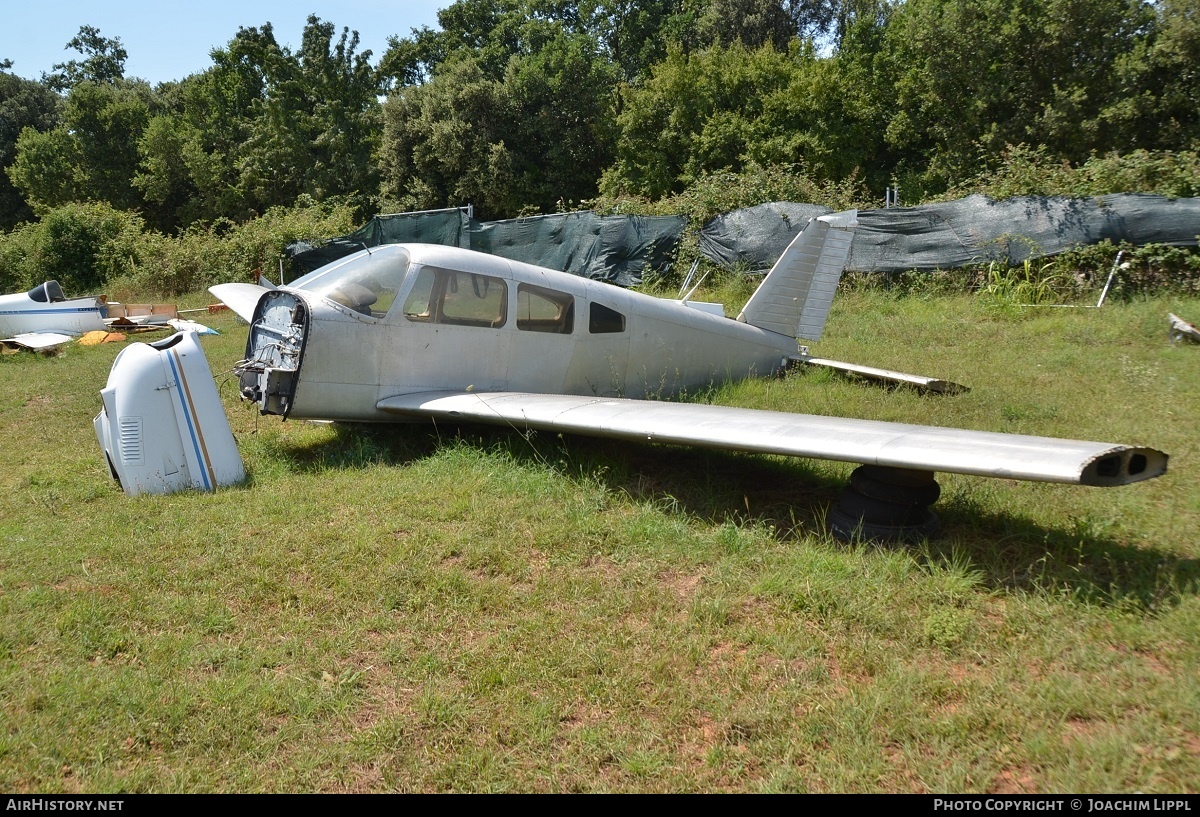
{"x": 412, "y": 331}
{"x": 44, "y": 317}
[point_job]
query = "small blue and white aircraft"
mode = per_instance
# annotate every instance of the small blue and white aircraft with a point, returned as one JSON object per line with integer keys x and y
{"x": 414, "y": 331}
{"x": 44, "y": 317}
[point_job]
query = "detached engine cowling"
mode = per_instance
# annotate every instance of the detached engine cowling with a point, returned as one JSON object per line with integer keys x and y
{"x": 163, "y": 427}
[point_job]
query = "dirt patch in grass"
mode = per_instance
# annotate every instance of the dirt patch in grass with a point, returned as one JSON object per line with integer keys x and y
{"x": 681, "y": 585}
{"x": 844, "y": 680}
{"x": 1014, "y": 780}
{"x": 903, "y": 777}
{"x": 362, "y": 778}
{"x": 381, "y": 701}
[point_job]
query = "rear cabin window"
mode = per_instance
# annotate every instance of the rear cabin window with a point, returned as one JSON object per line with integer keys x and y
{"x": 544, "y": 310}
{"x": 602, "y": 320}
{"x": 457, "y": 298}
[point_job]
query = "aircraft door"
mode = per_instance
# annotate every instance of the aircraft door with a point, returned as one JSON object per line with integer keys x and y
{"x": 452, "y": 332}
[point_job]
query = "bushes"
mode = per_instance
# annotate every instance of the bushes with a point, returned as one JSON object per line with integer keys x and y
{"x": 222, "y": 252}
{"x": 1153, "y": 269}
{"x": 1027, "y": 171}
{"x": 82, "y": 245}
{"x": 1076, "y": 275}
{"x": 92, "y": 247}
{"x": 714, "y": 193}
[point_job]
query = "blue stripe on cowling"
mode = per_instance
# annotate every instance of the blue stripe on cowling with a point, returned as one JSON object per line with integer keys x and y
{"x": 187, "y": 415}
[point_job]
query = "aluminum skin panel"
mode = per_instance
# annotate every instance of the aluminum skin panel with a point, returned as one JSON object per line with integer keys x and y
{"x": 795, "y": 298}
{"x": 980, "y": 453}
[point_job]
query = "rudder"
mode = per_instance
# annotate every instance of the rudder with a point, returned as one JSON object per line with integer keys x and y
{"x": 797, "y": 294}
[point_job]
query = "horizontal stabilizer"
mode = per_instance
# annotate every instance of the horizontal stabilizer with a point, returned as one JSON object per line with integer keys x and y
{"x": 795, "y": 297}
{"x": 871, "y": 442}
{"x": 918, "y": 381}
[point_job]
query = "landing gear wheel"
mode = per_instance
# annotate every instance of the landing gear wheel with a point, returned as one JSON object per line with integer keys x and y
{"x": 887, "y": 505}
{"x": 896, "y": 484}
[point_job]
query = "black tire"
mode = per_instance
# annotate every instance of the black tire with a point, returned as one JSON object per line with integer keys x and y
{"x": 896, "y": 485}
{"x": 848, "y": 529}
{"x": 855, "y": 505}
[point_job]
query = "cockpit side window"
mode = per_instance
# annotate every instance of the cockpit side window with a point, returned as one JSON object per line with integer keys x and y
{"x": 418, "y": 306}
{"x": 544, "y": 310}
{"x": 603, "y": 320}
{"x": 470, "y": 299}
{"x": 457, "y": 298}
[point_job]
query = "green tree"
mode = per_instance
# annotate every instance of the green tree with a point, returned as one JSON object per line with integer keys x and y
{"x": 489, "y": 31}
{"x": 1175, "y": 59}
{"x": 753, "y": 23}
{"x": 91, "y": 155}
{"x": 820, "y": 105}
{"x": 336, "y": 96}
{"x": 23, "y": 104}
{"x": 444, "y": 142}
{"x": 696, "y": 114}
{"x": 1157, "y": 107}
{"x": 629, "y": 34}
{"x": 538, "y": 132}
{"x": 561, "y": 121}
{"x": 171, "y": 161}
{"x": 104, "y": 61}
{"x": 831, "y": 117}
{"x": 193, "y": 153}
{"x": 979, "y": 74}
{"x": 264, "y": 126}
{"x": 634, "y": 34}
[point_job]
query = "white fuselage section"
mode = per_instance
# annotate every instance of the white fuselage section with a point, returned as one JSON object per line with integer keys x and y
{"x": 20, "y": 314}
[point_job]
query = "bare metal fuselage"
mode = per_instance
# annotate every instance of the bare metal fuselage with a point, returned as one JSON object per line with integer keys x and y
{"x": 411, "y": 332}
{"x": 323, "y": 359}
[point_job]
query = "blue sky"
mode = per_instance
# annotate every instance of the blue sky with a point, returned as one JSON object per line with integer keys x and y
{"x": 170, "y": 40}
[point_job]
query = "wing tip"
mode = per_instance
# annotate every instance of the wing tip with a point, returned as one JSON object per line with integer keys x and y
{"x": 240, "y": 297}
{"x": 1124, "y": 465}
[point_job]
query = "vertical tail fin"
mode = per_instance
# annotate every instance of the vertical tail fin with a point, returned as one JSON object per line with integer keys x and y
{"x": 795, "y": 297}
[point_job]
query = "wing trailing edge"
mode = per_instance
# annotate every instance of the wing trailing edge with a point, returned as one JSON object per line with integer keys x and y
{"x": 871, "y": 442}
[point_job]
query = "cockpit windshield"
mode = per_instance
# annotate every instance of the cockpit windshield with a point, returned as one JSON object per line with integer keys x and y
{"x": 47, "y": 293}
{"x": 366, "y": 282}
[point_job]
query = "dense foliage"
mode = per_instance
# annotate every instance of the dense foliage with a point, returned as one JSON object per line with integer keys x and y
{"x": 520, "y": 106}
{"x": 92, "y": 245}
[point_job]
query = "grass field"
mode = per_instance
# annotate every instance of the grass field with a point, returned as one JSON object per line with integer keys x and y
{"x": 455, "y": 609}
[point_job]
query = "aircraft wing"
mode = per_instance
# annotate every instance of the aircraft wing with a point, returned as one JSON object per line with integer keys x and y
{"x": 241, "y": 298}
{"x": 929, "y": 448}
{"x": 39, "y": 340}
